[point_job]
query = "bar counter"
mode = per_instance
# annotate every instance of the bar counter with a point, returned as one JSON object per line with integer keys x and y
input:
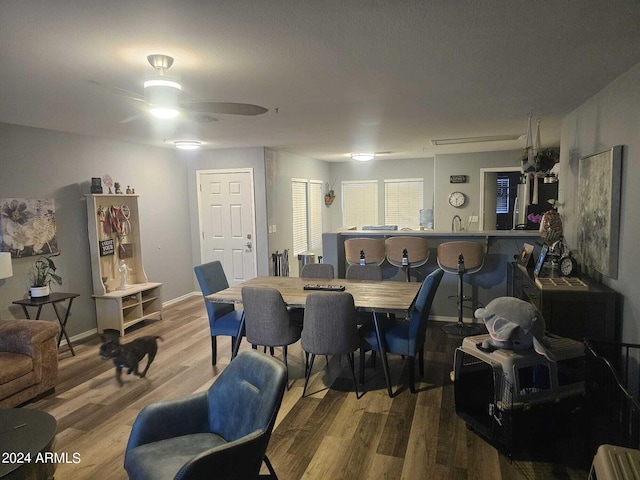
{"x": 492, "y": 281}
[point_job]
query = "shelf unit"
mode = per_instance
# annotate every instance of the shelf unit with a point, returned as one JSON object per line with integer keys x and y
{"x": 116, "y": 308}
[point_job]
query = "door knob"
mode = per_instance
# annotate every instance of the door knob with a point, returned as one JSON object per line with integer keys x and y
{"x": 249, "y": 245}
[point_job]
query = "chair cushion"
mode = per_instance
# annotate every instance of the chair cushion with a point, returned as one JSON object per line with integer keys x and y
{"x": 396, "y": 335}
{"x": 228, "y": 324}
{"x": 163, "y": 459}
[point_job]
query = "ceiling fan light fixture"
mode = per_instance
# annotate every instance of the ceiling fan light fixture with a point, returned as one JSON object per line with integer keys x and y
{"x": 363, "y": 157}
{"x": 162, "y": 82}
{"x": 187, "y": 144}
{"x": 166, "y": 113}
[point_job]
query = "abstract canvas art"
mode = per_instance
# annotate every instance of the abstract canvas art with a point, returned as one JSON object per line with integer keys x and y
{"x": 28, "y": 227}
{"x": 599, "y": 210}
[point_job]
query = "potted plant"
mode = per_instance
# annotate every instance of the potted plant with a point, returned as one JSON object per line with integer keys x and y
{"x": 330, "y": 196}
{"x": 41, "y": 275}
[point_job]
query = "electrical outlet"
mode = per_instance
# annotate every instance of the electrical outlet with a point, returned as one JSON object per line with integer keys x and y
{"x": 270, "y": 228}
{"x": 473, "y": 219}
{"x": 274, "y": 229}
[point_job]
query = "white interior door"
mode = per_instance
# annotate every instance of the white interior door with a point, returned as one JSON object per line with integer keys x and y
{"x": 227, "y": 221}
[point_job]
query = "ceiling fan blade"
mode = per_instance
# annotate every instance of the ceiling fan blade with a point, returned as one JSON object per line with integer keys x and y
{"x": 229, "y": 108}
{"x": 120, "y": 91}
{"x": 131, "y": 118}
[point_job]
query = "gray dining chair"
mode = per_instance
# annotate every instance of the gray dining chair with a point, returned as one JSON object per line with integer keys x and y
{"x": 267, "y": 321}
{"x": 317, "y": 270}
{"x": 364, "y": 272}
{"x": 329, "y": 328}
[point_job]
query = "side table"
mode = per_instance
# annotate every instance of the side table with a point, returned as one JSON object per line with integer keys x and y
{"x": 24, "y": 433}
{"x": 53, "y": 299}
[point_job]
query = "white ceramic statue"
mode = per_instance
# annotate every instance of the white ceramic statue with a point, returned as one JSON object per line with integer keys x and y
{"x": 124, "y": 271}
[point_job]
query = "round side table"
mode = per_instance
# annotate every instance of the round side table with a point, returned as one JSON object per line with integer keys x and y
{"x": 25, "y": 433}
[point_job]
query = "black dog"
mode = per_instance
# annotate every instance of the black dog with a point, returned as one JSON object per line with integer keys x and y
{"x": 128, "y": 355}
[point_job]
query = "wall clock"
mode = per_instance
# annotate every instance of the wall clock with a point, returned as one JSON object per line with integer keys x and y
{"x": 457, "y": 199}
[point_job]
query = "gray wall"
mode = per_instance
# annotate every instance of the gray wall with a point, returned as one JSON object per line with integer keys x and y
{"x": 281, "y": 167}
{"x": 224, "y": 159}
{"x": 379, "y": 170}
{"x": 611, "y": 117}
{"x": 468, "y": 164}
{"x": 37, "y": 163}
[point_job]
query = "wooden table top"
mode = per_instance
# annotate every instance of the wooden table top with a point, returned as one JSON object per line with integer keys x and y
{"x": 367, "y": 295}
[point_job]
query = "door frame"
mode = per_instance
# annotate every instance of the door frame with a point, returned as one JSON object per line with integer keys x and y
{"x": 483, "y": 172}
{"x": 249, "y": 170}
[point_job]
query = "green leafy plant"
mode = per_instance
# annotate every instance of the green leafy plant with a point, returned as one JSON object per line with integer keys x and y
{"x": 43, "y": 273}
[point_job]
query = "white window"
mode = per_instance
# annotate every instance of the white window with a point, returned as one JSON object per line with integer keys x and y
{"x": 299, "y": 201}
{"x": 359, "y": 203}
{"x": 316, "y": 200}
{"x": 502, "y": 190}
{"x": 403, "y": 202}
{"x": 307, "y": 198}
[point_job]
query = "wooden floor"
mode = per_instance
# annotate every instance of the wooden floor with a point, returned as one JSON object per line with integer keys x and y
{"x": 328, "y": 435}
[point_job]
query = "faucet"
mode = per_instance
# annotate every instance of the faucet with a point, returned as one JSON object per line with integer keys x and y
{"x": 456, "y": 223}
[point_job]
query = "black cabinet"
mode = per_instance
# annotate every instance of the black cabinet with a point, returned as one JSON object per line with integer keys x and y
{"x": 572, "y": 313}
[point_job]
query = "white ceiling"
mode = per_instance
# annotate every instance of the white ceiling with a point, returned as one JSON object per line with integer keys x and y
{"x": 338, "y": 76}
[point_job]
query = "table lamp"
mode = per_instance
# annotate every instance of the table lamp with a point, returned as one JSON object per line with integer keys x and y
{"x": 6, "y": 270}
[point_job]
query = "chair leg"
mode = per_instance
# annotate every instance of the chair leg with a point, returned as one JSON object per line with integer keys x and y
{"x": 353, "y": 373}
{"x": 361, "y": 366}
{"x": 272, "y": 472}
{"x": 308, "y": 367}
{"x": 214, "y": 350}
{"x": 284, "y": 357}
{"x": 421, "y": 361}
{"x": 412, "y": 377}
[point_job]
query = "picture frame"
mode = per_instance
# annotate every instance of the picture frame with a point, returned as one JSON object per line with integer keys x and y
{"x": 525, "y": 255}
{"x": 599, "y": 187}
{"x": 541, "y": 259}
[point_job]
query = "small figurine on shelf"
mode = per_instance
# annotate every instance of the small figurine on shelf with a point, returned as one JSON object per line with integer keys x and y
{"x": 116, "y": 185}
{"x": 128, "y": 190}
{"x": 106, "y": 286}
{"x": 124, "y": 271}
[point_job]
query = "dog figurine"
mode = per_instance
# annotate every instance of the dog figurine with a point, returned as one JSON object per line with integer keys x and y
{"x": 128, "y": 355}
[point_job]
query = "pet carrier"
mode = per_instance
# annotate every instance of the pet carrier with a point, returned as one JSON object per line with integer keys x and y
{"x": 506, "y": 395}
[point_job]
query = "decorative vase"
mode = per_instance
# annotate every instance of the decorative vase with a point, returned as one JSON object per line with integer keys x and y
{"x": 328, "y": 200}
{"x": 37, "y": 292}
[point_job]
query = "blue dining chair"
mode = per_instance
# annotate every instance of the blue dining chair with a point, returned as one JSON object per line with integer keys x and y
{"x": 401, "y": 337}
{"x": 224, "y": 319}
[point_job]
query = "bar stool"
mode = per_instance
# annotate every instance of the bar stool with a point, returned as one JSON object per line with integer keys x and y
{"x": 373, "y": 249}
{"x": 416, "y": 248}
{"x": 461, "y": 258}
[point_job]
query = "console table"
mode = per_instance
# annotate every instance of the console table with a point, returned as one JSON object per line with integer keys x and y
{"x": 53, "y": 299}
{"x": 570, "y": 311}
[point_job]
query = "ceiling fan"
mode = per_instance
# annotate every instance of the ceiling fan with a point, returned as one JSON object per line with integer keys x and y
{"x": 162, "y": 95}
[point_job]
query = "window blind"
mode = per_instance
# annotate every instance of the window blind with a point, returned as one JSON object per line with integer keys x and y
{"x": 316, "y": 199}
{"x": 403, "y": 199}
{"x": 359, "y": 203}
{"x": 502, "y": 200}
{"x": 299, "y": 202}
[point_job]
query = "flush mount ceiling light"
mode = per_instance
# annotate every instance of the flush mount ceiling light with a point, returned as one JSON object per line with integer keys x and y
{"x": 363, "y": 157}
{"x": 492, "y": 138}
{"x": 162, "y": 91}
{"x": 187, "y": 144}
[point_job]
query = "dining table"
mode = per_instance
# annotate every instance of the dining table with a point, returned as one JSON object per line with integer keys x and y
{"x": 377, "y": 297}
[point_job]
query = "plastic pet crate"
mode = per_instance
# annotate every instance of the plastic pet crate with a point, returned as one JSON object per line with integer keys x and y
{"x": 505, "y": 395}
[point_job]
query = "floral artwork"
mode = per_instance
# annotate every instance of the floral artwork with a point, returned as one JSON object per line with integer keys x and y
{"x": 28, "y": 227}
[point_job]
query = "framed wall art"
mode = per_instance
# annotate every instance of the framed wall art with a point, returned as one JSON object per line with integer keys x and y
{"x": 28, "y": 227}
{"x": 599, "y": 180}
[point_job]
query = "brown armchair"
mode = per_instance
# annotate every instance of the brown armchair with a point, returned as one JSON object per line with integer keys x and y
{"x": 28, "y": 360}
